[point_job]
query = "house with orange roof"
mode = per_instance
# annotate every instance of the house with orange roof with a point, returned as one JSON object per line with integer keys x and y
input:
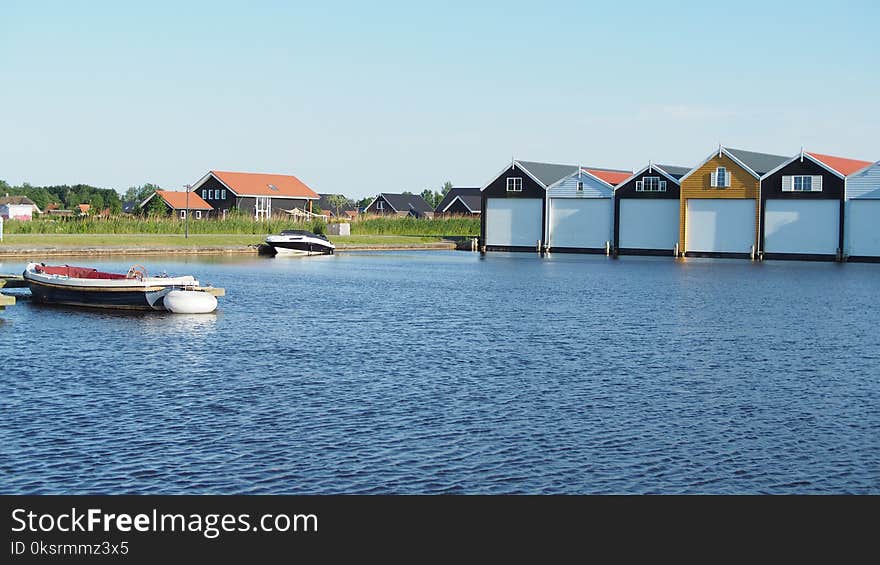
{"x": 803, "y": 207}
{"x": 259, "y": 195}
{"x": 180, "y": 204}
{"x": 862, "y": 203}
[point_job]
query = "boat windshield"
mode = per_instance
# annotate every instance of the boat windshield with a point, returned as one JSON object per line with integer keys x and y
{"x": 302, "y": 232}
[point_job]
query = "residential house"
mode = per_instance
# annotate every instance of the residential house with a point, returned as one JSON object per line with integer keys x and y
{"x": 178, "y": 203}
{"x": 460, "y": 201}
{"x": 18, "y": 208}
{"x": 257, "y": 194}
{"x": 390, "y": 204}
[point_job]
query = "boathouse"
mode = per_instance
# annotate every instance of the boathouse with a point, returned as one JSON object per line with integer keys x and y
{"x": 802, "y": 207}
{"x": 862, "y": 204}
{"x": 719, "y": 203}
{"x": 460, "y": 201}
{"x": 646, "y": 211}
{"x": 581, "y": 210}
{"x": 514, "y": 205}
{"x": 256, "y": 194}
{"x": 176, "y": 203}
{"x": 390, "y": 204}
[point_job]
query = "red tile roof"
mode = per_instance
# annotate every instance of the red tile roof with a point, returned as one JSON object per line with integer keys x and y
{"x": 842, "y": 165}
{"x": 611, "y": 177}
{"x": 177, "y": 200}
{"x": 258, "y": 184}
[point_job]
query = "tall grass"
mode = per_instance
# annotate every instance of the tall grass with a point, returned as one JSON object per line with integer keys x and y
{"x": 156, "y": 225}
{"x": 455, "y": 226}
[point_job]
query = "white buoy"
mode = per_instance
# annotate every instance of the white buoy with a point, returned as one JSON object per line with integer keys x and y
{"x": 189, "y": 302}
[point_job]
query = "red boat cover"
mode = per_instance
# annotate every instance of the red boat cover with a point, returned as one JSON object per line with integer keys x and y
{"x": 77, "y": 272}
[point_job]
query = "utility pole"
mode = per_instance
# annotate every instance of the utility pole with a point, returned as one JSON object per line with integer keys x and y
{"x": 186, "y": 217}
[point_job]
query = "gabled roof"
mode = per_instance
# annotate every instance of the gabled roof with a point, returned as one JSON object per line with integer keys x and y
{"x": 20, "y": 201}
{"x": 261, "y": 184}
{"x": 825, "y": 161}
{"x": 458, "y": 191}
{"x": 756, "y": 164}
{"x": 472, "y": 202}
{"x": 674, "y": 170}
{"x": 609, "y": 176}
{"x": 177, "y": 200}
{"x": 662, "y": 169}
{"x": 842, "y": 165}
{"x": 547, "y": 173}
{"x": 405, "y": 202}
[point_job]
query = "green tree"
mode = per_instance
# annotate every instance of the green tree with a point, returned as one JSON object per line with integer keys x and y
{"x": 139, "y": 193}
{"x": 447, "y": 186}
{"x": 430, "y": 197}
{"x": 337, "y": 202}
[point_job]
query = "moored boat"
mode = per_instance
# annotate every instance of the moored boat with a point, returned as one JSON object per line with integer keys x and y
{"x": 300, "y": 242}
{"x": 135, "y": 290}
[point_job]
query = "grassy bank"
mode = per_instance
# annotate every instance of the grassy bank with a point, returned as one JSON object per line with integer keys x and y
{"x": 238, "y": 225}
{"x": 42, "y": 241}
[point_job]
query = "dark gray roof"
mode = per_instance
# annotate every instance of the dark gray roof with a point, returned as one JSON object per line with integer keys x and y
{"x": 407, "y": 202}
{"x": 675, "y": 171}
{"x": 549, "y": 173}
{"x": 761, "y": 163}
{"x": 473, "y": 202}
{"x": 466, "y": 194}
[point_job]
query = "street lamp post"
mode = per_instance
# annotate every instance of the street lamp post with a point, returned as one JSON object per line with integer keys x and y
{"x": 186, "y": 217}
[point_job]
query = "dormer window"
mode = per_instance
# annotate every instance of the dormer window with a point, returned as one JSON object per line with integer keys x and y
{"x": 720, "y": 178}
{"x": 514, "y": 184}
{"x": 651, "y": 184}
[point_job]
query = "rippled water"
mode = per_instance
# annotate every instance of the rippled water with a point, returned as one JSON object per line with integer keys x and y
{"x": 441, "y": 372}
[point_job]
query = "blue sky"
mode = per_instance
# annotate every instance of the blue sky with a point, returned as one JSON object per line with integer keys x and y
{"x": 360, "y": 99}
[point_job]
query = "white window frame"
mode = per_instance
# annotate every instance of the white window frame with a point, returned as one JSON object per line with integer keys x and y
{"x": 183, "y": 214}
{"x": 580, "y": 186}
{"x": 516, "y": 185}
{"x": 263, "y": 207}
{"x": 640, "y": 186}
{"x": 205, "y": 193}
{"x": 715, "y": 183}
{"x": 198, "y": 214}
{"x": 222, "y": 194}
{"x": 380, "y": 205}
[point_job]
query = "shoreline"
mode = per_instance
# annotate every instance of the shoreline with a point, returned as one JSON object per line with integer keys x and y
{"x": 17, "y": 252}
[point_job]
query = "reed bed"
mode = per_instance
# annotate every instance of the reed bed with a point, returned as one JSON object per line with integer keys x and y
{"x": 455, "y": 226}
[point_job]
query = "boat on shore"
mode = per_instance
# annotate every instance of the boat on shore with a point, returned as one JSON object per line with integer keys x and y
{"x": 300, "y": 242}
{"x": 135, "y": 290}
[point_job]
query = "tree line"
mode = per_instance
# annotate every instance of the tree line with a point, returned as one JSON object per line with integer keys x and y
{"x": 66, "y": 197}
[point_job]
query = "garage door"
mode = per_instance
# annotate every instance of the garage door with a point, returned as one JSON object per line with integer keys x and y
{"x": 720, "y": 226}
{"x": 648, "y": 223}
{"x": 580, "y": 223}
{"x": 801, "y": 226}
{"x": 513, "y": 222}
{"x": 863, "y": 227}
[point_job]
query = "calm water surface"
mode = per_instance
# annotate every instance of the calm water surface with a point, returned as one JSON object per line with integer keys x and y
{"x": 441, "y": 372}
